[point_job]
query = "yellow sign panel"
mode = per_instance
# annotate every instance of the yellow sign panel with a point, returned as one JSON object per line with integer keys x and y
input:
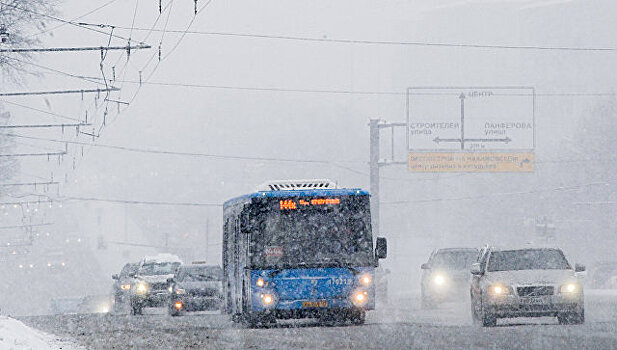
{"x": 471, "y": 162}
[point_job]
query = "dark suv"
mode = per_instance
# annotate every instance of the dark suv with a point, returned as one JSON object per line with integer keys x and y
{"x": 196, "y": 287}
{"x": 122, "y": 286}
{"x": 151, "y": 287}
{"x": 446, "y": 276}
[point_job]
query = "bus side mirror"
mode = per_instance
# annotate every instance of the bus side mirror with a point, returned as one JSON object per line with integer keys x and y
{"x": 115, "y": 277}
{"x": 579, "y": 268}
{"x": 425, "y": 266}
{"x": 381, "y": 248}
{"x": 475, "y": 269}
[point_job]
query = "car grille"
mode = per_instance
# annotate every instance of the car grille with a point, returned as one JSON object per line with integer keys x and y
{"x": 535, "y": 291}
{"x": 158, "y": 286}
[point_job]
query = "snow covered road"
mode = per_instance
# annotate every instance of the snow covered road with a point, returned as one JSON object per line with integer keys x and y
{"x": 405, "y": 327}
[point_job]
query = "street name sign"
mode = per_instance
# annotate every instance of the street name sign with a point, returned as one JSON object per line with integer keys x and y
{"x": 456, "y": 129}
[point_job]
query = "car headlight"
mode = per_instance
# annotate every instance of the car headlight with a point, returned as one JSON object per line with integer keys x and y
{"x": 359, "y": 298}
{"x": 125, "y": 286}
{"x": 439, "y": 279}
{"x": 141, "y": 288}
{"x": 260, "y": 282}
{"x": 570, "y": 288}
{"x": 366, "y": 280}
{"x": 180, "y": 291}
{"x": 499, "y": 289}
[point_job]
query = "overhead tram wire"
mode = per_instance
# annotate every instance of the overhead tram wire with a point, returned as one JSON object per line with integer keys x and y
{"x": 138, "y": 202}
{"x": 176, "y": 153}
{"x": 74, "y": 19}
{"x": 167, "y": 9}
{"x": 41, "y": 111}
{"x": 95, "y": 80}
{"x": 333, "y": 91}
{"x": 172, "y": 49}
{"x": 44, "y": 15}
{"x": 383, "y": 42}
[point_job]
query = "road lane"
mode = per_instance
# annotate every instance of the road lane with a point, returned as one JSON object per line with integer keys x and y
{"x": 400, "y": 325}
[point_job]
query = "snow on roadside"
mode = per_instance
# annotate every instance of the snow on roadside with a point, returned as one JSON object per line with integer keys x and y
{"x": 15, "y": 335}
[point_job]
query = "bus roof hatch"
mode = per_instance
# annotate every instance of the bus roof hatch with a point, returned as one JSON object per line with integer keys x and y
{"x": 292, "y": 185}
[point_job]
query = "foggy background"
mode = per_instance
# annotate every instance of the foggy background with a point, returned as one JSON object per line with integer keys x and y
{"x": 238, "y": 103}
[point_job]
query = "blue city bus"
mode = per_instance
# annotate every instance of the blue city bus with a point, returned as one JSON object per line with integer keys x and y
{"x": 305, "y": 252}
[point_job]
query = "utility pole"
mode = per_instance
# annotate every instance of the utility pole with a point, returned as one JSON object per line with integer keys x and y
{"x": 374, "y": 164}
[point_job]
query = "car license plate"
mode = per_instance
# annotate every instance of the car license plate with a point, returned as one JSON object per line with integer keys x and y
{"x": 533, "y": 300}
{"x": 319, "y": 303}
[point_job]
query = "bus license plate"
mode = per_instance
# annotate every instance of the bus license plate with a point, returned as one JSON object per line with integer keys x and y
{"x": 319, "y": 303}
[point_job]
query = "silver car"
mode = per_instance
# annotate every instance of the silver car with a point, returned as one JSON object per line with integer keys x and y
{"x": 530, "y": 282}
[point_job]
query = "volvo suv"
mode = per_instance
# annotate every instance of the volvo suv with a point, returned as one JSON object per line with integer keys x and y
{"x": 529, "y": 282}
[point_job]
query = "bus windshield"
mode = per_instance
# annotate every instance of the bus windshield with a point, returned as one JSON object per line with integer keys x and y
{"x": 315, "y": 236}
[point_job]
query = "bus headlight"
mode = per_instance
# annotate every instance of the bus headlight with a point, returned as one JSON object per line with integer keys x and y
{"x": 366, "y": 280}
{"x": 359, "y": 298}
{"x": 267, "y": 299}
{"x": 260, "y": 282}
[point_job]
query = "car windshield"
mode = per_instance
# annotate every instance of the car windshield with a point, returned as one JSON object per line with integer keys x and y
{"x": 200, "y": 274}
{"x": 128, "y": 269}
{"x": 527, "y": 259}
{"x": 160, "y": 268}
{"x": 454, "y": 259}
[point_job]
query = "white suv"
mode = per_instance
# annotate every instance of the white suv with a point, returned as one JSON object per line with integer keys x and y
{"x": 530, "y": 282}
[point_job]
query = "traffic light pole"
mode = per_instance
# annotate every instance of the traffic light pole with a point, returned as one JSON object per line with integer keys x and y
{"x": 375, "y": 164}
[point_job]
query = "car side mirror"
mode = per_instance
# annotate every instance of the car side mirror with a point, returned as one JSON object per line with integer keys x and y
{"x": 170, "y": 280}
{"x": 115, "y": 276}
{"x": 579, "y": 268}
{"x": 132, "y": 274}
{"x": 381, "y": 248}
{"x": 476, "y": 269}
{"x": 425, "y": 266}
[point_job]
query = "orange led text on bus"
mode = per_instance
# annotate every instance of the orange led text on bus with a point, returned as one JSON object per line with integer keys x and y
{"x": 289, "y": 204}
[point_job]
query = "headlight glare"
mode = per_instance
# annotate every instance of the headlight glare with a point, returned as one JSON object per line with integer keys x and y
{"x": 125, "y": 286}
{"x": 180, "y": 291}
{"x": 499, "y": 289}
{"x": 141, "y": 288}
{"x": 439, "y": 279}
{"x": 366, "y": 280}
{"x": 260, "y": 282}
{"x": 570, "y": 288}
{"x": 267, "y": 299}
{"x": 359, "y": 298}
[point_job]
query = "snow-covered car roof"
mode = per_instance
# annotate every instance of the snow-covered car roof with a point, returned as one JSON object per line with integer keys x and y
{"x": 161, "y": 258}
{"x": 523, "y": 247}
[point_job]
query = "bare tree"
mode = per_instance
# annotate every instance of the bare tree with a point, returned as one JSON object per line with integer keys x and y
{"x": 21, "y": 22}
